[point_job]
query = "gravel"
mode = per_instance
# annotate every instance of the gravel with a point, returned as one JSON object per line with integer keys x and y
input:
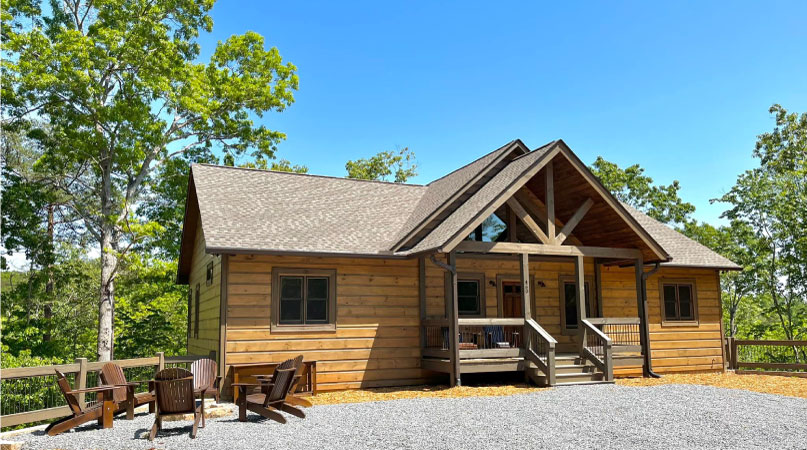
{"x": 597, "y": 416}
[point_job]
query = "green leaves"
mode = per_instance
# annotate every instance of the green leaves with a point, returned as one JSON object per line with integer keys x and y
{"x": 400, "y": 164}
{"x": 631, "y": 186}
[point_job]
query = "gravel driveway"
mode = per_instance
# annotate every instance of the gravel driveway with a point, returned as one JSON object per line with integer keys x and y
{"x": 599, "y": 416}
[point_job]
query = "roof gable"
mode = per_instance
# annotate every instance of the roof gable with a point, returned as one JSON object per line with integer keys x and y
{"x": 257, "y": 211}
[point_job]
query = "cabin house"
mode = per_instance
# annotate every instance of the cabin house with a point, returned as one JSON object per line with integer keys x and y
{"x": 518, "y": 261}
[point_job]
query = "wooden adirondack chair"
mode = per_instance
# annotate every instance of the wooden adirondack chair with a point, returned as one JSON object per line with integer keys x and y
{"x": 272, "y": 395}
{"x": 204, "y": 372}
{"x": 112, "y": 374}
{"x": 80, "y": 415}
{"x": 174, "y": 395}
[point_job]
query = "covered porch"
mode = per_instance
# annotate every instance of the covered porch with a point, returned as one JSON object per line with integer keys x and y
{"x": 579, "y": 338}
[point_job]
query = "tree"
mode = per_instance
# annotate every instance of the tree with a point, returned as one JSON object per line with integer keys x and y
{"x": 771, "y": 200}
{"x": 120, "y": 86}
{"x": 736, "y": 242}
{"x": 631, "y": 186}
{"x": 401, "y": 164}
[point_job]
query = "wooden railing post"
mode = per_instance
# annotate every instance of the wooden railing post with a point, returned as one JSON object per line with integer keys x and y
{"x": 550, "y": 364}
{"x": 81, "y": 379}
{"x": 734, "y": 358}
{"x": 609, "y": 362}
{"x": 160, "y": 361}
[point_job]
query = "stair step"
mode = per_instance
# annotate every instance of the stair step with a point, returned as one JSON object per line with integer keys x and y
{"x": 574, "y": 368}
{"x": 582, "y": 383}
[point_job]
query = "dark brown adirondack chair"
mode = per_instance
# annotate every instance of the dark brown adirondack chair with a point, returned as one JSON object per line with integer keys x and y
{"x": 124, "y": 395}
{"x": 204, "y": 372}
{"x": 173, "y": 389}
{"x": 272, "y": 395}
{"x": 80, "y": 415}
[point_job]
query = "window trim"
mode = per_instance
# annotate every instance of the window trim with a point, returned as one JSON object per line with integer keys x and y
{"x": 665, "y": 322}
{"x": 196, "y": 307}
{"x": 479, "y": 277}
{"x": 592, "y": 292}
{"x": 209, "y": 274}
{"x": 274, "y": 322}
{"x": 509, "y": 278}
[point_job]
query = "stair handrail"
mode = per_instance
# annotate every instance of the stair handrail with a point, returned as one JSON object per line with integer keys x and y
{"x": 598, "y": 348}
{"x": 540, "y": 349}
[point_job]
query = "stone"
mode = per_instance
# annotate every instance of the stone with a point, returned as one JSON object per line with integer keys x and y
{"x": 10, "y": 445}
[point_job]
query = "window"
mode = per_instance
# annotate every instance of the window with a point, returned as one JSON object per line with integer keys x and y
{"x": 190, "y": 309}
{"x": 304, "y": 297}
{"x": 489, "y": 230}
{"x": 470, "y": 294}
{"x": 679, "y": 303}
{"x": 209, "y": 274}
{"x": 468, "y": 303}
{"x": 568, "y": 296}
{"x": 196, "y": 313}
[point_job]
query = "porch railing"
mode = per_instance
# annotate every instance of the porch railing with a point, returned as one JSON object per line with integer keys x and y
{"x": 597, "y": 348}
{"x": 540, "y": 349}
{"x": 490, "y": 338}
{"x": 768, "y": 357}
{"x": 624, "y": 332}
{"x": 30, "y": 394}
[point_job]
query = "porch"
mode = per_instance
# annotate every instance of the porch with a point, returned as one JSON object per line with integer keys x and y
{"x": 580, "y": 226}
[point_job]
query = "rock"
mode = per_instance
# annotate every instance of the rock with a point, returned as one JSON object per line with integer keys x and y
{"x": 10, "y": 445}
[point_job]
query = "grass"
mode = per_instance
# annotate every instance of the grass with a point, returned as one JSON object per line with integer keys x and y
{"x": 792, "y": 387}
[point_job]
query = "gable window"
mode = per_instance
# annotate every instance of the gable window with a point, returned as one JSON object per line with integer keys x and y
{"x": 303, "y": 298}
{"x": 568, "y": 296}
{"x": 678, "y": 301}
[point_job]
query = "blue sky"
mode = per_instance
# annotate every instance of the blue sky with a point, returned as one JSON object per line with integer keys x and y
{"x": 682, "y": 88}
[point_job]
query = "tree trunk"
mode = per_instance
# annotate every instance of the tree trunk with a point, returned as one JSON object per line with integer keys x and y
{"x": 106, "y": 310}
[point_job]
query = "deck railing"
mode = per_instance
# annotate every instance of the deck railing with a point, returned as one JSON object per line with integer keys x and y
{"x": 597, "y": 348}
{"x": 540, "y": 349}
{"x": 494, "y": 337}
{"x": 30, "y": 394}
{"x": 624, "y": 332}
{"x": 776, "y": 357}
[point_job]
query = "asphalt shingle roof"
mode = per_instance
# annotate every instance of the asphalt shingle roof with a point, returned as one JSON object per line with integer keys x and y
{"x": 264, "y": 211}
{"x": 245, "y": 209}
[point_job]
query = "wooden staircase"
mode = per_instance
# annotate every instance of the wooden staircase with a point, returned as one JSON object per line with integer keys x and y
{"x": 570, "y": 370}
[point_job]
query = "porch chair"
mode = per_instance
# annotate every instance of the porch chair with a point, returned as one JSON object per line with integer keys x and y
{"x": 174, "y": 395}
{"x": 273, "y": 394}
{"x": 204, "y": 372}
{"x": 112, "y": 374}
{"x": 79, "y": 415}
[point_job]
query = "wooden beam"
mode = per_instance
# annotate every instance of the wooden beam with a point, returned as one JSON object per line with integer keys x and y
{"x": 598, "y": 286}
{"x": 527, "y": 220}
{"x": 550, "y": 202}
{"x": 580, "y": 288}
{"x": 453, "y": 320}
{"x": 422, "y": 297}
{"x": 536, "y": 208}
{"x": 524, "y": 269}
{"x": 548, "y": 250}
{"x": 511, "y": 225}
{"x": 575, "y": 219}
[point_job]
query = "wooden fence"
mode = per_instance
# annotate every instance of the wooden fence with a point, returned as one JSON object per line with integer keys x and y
{"x": 30, "y": 394}
{"x": 767, "y": 357}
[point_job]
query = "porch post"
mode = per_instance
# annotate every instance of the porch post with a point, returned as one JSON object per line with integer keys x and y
{"x": 580, "y": 287}
{"x": 641, "y": 303}
{"x": 526, "y": 304}
{"x": 422, "y": 299}
{"x": 453, "y": 319}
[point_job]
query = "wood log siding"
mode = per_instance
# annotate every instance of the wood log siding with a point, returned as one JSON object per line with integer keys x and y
{"x": 207, "y": 339}
{"x": 377, "y": 338}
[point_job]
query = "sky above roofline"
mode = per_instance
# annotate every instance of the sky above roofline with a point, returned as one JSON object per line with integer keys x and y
{"x": 682, "y": 89}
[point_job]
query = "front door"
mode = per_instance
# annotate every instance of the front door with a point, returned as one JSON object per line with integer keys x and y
{"x": 511, "y": 299}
